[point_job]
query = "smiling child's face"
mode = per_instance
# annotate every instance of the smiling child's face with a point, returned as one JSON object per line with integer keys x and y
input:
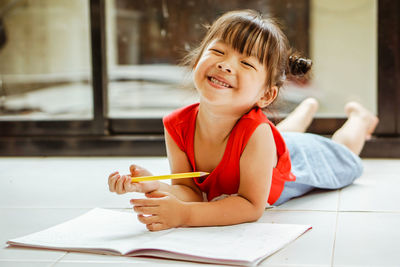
{"x": 223, "y": 76}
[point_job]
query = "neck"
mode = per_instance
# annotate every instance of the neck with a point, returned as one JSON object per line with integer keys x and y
{"x": 215, "y": 123}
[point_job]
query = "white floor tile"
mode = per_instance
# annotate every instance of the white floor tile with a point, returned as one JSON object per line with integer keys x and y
{"x": 312, "y": 248}
{"x": 36, "y": 193}
{"x": 20, "y": 222}
{"x": 25, "y": 263}
{"x": 318, "y": 200}
{"x": 67, "y": 182}
{"x": 367, "y": 239}
{"x": 376, "y": 190}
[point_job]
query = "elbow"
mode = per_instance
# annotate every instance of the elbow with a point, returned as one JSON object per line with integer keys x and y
{"x": 255, "y": 210}
{"x": 257, "y": 213}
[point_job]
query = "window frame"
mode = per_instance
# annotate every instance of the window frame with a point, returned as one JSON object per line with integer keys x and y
{"x": 103, "y": 136}
{"x": 98, "y": 124}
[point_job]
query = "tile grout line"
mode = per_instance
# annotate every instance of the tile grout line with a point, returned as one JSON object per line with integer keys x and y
{"x": 58, "y": 259}
{"x": 336, "y": 227}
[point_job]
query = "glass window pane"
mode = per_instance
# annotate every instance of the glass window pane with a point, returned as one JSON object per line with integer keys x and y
{"x": 45, "y": 66}
{"x": 147, "y": 39}
{"x": 343, "y": 47}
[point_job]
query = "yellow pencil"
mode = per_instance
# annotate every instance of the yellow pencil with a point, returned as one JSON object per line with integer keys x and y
{"x": 169, "y": 176}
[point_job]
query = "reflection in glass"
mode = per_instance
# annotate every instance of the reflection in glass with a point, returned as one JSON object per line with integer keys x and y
{"x": 45, "y": 60}
{"x": 344, "y": 49}
{"x": 147, "y": 39}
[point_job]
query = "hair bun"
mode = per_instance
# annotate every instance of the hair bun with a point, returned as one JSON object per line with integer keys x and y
{"x": 299, "y": 66}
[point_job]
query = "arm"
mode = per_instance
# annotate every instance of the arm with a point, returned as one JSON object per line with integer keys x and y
{"x": 256, "y": 165}
{"x": 184, "y": 189}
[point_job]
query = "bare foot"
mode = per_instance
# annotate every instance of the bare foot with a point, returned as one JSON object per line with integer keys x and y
{"x": 356, "y": 109}
{"x": 301, "y": 117}
{"x": 311, "y": 104}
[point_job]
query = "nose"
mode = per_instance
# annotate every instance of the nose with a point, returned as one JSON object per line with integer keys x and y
{"x": 224, "y": 66}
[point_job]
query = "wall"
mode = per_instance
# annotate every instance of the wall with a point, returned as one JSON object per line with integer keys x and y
{"x": 344, "y": 52}
{"x": 47, "y": 36}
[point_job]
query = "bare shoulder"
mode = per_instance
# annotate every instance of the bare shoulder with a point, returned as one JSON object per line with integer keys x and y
{"x": 262, "y": 139}
{"x": 260, "y": 151}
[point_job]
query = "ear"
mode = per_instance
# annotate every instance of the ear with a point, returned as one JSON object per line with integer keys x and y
{"x": 268, "y": 97}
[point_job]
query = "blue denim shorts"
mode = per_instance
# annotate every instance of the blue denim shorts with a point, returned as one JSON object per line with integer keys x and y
{"x": 318, "y": 162}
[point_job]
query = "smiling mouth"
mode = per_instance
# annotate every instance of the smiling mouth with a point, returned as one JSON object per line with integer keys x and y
{"x": 218, "y": 82}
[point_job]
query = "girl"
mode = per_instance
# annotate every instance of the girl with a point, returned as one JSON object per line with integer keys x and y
{"x": 237, "y": 70}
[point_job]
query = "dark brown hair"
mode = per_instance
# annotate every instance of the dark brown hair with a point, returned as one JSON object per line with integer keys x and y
{"x": 252, "y": 34}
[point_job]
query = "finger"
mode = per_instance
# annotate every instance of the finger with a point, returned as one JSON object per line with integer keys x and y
{"x": 149, "y": 202}
{"x": 120, "y": 185}
{"x": 148, "y": 219}
{"x": 111, "y": 182}
{"x": 152, "y": 210}
{"x": 112, "y": 174}
{"x": 156, "y": 194}
{"x": 156, "y": 227}
{"x": 133, "y": 169}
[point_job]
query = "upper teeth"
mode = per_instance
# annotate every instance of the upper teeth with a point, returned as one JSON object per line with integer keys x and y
{"x": 219, "y": 82}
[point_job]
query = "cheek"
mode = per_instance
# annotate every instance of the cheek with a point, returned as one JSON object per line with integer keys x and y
{"x": 253, "y": 81}
{"x": 200, "y": 64}
{"x": 199, "y": 71}
{"x": 196, "y": 76}
{"x": 259, "y": 82}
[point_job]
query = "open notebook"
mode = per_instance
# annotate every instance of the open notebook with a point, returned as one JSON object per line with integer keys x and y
{"x": 120, "y": 233}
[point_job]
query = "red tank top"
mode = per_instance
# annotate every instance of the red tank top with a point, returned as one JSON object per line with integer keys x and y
{"x": 225, "y": 178}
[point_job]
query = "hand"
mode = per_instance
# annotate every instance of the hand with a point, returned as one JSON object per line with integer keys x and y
{"x": 122, "y": 184}
{"x": 163, "y": 211}
{"x": 137, "y": 171}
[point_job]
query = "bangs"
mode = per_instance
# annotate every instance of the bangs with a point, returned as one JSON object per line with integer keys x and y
{"x": 247, "y": 37}
{"x": 252, "y": 35}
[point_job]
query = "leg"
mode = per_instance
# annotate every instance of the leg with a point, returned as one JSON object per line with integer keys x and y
{"x": 300, "y": 118}
{"x": 318, "y": 162}
{"x": 292, "y": 190}
{"x": 359, "y": 127}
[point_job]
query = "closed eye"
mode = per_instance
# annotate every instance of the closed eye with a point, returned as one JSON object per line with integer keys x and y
{"x": 248, "y": 64}
{"x": 217, "y": 51}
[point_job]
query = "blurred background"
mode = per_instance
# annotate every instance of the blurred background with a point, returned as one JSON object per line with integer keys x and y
{"x": 46, "y": 67}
